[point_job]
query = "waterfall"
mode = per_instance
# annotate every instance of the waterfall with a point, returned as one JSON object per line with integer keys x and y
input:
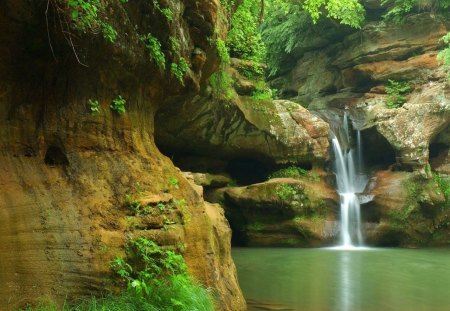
{"x": 350, "y": 180}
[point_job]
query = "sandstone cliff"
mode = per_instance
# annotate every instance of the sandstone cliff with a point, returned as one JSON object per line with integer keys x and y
{"x": 65, "y": 172}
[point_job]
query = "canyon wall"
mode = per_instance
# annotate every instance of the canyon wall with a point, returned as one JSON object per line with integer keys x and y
{"x": 65, "y": 172}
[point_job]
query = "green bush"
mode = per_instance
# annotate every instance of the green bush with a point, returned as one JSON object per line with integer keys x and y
{"x": 285, "y": 192}
{"x": 94, "y": 106}
{"x": 154, "y": 50}
{"x": 289, "y": 172}
{"x": 118, "y": 105}
{"x": 160, "y": 277}
{"x": 85, "y": 16}
{"x": 396, "y": 91}
{"x": 244, "y": 39}
{"x": 179, "y": 70}
{"x": 222, "y": 85}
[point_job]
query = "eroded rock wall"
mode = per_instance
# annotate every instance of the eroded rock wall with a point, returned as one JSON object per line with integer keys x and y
{"x": 65, "y": 173}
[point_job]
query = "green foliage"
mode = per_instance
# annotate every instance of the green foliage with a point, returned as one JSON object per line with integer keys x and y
{"x": 179, "y": 70}
{"x": 255, "y": 226}
{"x": 262, "y": 95}
{"x": 118, "y": 105}
{"x": 444, "y": 55}
{"x": 222, "y": 50}
{"x": 348, "y": 12}
{"x": 251, "y": 71}
{"x": 443, "y": 183}
{"x": 289, "y": 172}
{"x": 396, "y": 91}
{"x": 294, "y": 172}
{"x": 280, "y": 32}
{"x": 174, "y": 44}
{"x": 173, "y": 182}
{"x": 94, "y": 106}
{"x": 285, "y": 192}
{"x": 160, "y": 276}
{"x": 222, "y": 85}
{"x": 154, "y": 50}
{"x": 157, "y": 280}
{"x": 85, "y": 18}
{"x": 399, "y": 9}
{"x": 244, "y": 39}
{"x": 166, "y": 12}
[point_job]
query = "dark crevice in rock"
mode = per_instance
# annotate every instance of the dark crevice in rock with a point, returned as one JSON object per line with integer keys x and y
{"x": 55, "y": 156}
{"x": 247, "y": 171}
{"x": 378, "y": 153}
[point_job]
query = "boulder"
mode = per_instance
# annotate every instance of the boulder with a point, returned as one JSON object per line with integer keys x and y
{"x": 274, "y": 131}
{"x": 412, "y": 210}
{"x": 283, "y": 212}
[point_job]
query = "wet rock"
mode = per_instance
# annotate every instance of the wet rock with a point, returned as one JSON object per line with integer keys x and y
{"x": 283, "y": 212}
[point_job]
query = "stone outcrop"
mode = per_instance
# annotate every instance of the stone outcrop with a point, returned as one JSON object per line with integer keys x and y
{"x": 408, "y": 210}
{"x": 282, "y": 212}
{"x": 354, "y": 73}
{"x": 65, "y": 173}
{"x": 275, "y": 131}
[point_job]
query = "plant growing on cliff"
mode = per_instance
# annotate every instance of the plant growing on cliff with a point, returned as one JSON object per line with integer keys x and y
{"x": 86, "y": 17}
{"x": 118, "y": 105}
{"x": 444, "y": 55}
{"x": 166, "y": 12}
{"x": 154, "y": 50}
{"x": 396, "y": 91}
{"x": 222, "y": 50}
{"x": 160, "y": 277}
{"x": 285, "y": 192}
{"x": 94, "y": 106}
{"x": 179, "y": 70}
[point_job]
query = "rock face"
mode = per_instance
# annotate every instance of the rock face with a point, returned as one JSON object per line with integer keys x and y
{"x": 283, "y": 212}
{"x": 275, "y": 131}
{"x": 409, "y": 210}
{"x": 354, "y": 73}
{"x": 65, "y": 173}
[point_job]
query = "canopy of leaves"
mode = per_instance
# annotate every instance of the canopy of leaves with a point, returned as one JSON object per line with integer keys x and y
{"x": 244, "y": 39}
{"x": 348, "y": 12}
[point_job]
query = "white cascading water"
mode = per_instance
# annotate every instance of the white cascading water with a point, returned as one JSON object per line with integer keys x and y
{"x": 350, "y": 181}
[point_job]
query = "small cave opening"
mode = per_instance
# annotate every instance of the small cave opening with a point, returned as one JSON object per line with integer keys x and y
{"x": 377, "y": 151}
{"x": 246, "y": 171}
{"x": 55, "y": 156}
{"x": 438, "y": 154}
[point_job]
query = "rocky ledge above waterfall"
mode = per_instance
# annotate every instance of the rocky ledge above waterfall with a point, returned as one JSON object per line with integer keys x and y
{"x": 355, "y": 73}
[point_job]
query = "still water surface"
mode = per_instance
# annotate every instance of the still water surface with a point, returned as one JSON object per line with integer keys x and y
{"x": 337, "y": 280}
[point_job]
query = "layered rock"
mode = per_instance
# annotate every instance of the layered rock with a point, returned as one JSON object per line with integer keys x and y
{"x": 408, "y": 210}
{"x": 282, "y": 212}
{"x": 65, "y": 173}
{"x": 273, "y": 131}
{"x": 354, "y": 73}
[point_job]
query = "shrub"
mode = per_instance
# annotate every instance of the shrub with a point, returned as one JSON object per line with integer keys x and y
{"x": 285, "y": 192}
{"x": 396, "y": 91}
{"x": 154, "y": 50}
{"x": 179, "y": 70}
{"x": 289, "y": 172}
{"x": 85, "y": 18}
{"x": 160, "y": 277}
{"x": 244, "y": 39}
{"x": 94, "y": 106}
{"x": 118, "y": 105}
{"x": 222, "y": 85}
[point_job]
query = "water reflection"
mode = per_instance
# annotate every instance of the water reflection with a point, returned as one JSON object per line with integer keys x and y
{"x": 337, "y": 280}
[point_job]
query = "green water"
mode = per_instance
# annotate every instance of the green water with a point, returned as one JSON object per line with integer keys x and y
{"x": 332, "y": 280}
